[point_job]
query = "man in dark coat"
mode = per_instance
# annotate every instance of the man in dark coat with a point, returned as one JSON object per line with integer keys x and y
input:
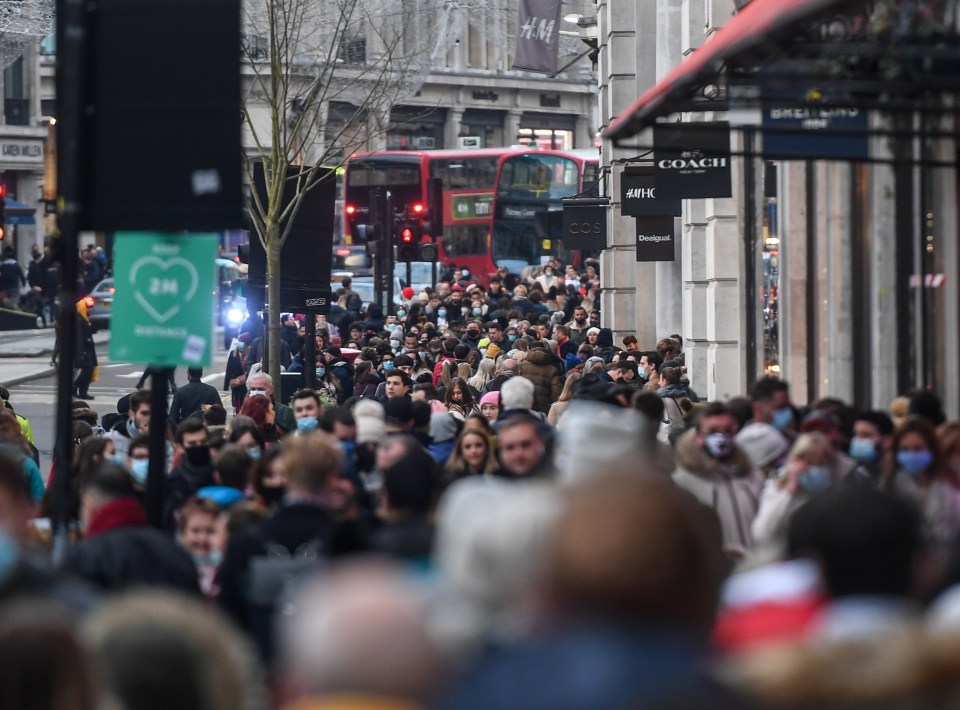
{"x": 195, "y": 468}
{"x": 189, "y": 398}
{"x": 120, "y": 550}
{"x": 303, "y": 532}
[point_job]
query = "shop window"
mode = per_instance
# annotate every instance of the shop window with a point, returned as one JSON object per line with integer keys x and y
{"x": 353, "y": 50}
{"x": 16, "y": 104}
{"x": 549, "y": 138}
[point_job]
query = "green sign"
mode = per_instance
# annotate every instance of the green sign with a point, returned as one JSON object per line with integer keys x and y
{"x": 164, "y": 306}
{"x": 472, "y": 206}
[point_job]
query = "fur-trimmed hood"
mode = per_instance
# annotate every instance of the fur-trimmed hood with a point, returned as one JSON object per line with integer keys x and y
{"x": 693, "y": 459}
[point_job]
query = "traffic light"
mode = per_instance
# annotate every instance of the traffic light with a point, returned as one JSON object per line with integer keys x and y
{"x": 408, "y": 238}
{"x": 3, "y": 210}
{"x": 435, "y": 212}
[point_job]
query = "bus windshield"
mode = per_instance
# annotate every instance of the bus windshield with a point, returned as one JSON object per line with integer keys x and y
{"x": 540, "y": 177}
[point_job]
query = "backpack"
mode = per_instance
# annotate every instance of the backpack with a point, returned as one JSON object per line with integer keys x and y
{"x": 272, "y": 583}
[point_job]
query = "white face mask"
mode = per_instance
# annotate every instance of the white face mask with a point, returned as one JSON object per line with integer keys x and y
{"x": 256, "y": 393}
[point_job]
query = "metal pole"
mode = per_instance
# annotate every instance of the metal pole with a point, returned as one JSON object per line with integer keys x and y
{"x": 750, "y": 252}
{"x": 71, "y": 78}
{"x": 310, "y": 351}
{"x": 158, "y": 445}
{"x": 388, "y": 253}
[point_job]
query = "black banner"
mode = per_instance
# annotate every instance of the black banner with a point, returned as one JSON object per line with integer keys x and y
{"x": 655, "y": 239}
{"x": 585, "y": 225}
{"x": 692, "y": 160}
{"x": 639, "y": 197}
{"x": 538, "y": 45}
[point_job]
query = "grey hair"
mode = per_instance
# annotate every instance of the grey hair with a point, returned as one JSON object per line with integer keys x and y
{"x": 517, "y": 393}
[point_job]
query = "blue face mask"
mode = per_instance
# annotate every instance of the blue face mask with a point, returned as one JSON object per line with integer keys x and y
{"x": 815, "y": 478}
{"x": 442, "y": 313}
{"x": 117, "y": 459}
{"x": 401, "y": 313}
{"x": 139, "y": 469}
{"x": 254, "y": 452}
{"x": 306, "y": 424}
{"x": 321, "y": 372}
{"x": 864, "y": 450}
{"x": 914, "y": 462}
{"x": 477, "y": 311}
{"x": 782, "y": 418}
{"x": 388, "y": 365}
{"x": 132, "y": 428}
{"x": 212, "y": 560}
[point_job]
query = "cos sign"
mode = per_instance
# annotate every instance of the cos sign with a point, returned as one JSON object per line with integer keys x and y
{"x": 585, "y": 223}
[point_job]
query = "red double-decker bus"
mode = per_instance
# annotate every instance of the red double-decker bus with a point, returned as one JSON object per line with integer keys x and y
{"x": 468, "y": 178}
{"x": 527, "y": 212}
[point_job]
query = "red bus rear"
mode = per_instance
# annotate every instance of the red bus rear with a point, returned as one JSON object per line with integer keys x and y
{"x": 468, "y": 178}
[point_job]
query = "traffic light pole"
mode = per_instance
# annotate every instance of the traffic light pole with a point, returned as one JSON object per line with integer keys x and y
{"x": 72, "y": 40}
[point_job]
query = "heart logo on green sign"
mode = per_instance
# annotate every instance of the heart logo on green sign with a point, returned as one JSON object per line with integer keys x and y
{"x": 164, "y": 288}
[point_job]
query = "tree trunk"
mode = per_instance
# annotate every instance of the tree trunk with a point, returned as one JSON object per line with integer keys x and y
{"x": 272, "y": 308}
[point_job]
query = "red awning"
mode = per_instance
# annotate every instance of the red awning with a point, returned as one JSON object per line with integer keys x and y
{"x": 757, "y": 23}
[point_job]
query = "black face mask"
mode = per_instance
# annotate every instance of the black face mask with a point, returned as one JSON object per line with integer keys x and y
{"x": 580, "y": 321}
{"x": 472, "y": 334}
{"x": 198, "y": 456}
{"x": 272, "y": 494}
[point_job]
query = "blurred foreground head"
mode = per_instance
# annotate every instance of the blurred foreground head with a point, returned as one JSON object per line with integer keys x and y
{"x": 358, "y": 631}
{"x": 156, "y": 651}
{"x": 42, "y": 664}
{"x": 636, "y": 550}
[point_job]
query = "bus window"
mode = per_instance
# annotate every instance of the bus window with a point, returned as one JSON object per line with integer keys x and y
{"x": 465, "y": 240}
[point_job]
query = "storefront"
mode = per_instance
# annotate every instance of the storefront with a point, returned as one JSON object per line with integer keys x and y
{"x": 847, "y": 255}
{"x": 21, "y": 172}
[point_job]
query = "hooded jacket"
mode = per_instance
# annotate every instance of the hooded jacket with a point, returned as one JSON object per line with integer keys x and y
{"x": 732, "y": 488}
{"x": 539, "y": 369}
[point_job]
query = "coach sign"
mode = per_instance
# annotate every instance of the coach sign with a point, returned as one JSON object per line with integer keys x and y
{"x": 585, "y": 223}
{"x": 655, "y": 239}
{"x": 692, "y": 160}
{"x": 640, "y": 198}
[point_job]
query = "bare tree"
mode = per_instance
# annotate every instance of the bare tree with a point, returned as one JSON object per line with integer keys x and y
{"x": 21, "y": 22}
{"x": 303, "y": 57}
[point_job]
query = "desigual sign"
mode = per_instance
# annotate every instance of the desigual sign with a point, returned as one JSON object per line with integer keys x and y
{"x": 14, "y": 150}
{"x": 655, "y": 239}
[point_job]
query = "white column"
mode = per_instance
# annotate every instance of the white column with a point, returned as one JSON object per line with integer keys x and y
{"x": 838, "y": 249}
{"x": 794, "y": 290}
{"x": 451, "y": 129}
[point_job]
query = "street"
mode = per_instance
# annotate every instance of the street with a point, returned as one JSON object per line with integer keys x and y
{"x": 36, "y": 400}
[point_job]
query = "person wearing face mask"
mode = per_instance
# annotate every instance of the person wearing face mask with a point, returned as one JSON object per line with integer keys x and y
{"x": 811, "y": 466}
{"x": 716, "y": 471}
{"x": 872, "y": 434}
{"x": 471, "y": 338}
{"x": 326, "y": 382}
{"x": 306, "y": 410}
{"x": 195, "y": 467}
{"x": 771, "y": 405}
{"x": 196, "y": 534}
{"x": 915, "y": 468}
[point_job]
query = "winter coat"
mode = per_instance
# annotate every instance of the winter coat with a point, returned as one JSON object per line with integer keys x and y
{"x": 122, "y": 551}
{"x": 343, "y": 371}
{"x": 732, "y": 488}
{"x": 538, "y": 368}
{"x": 677, "y": 391}
{"x": 367, "y": 386}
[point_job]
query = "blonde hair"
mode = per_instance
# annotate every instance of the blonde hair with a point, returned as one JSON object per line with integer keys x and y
{"x": 311, "y": 461}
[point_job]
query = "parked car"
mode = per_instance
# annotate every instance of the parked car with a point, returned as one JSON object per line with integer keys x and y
{"x": 102, "y": 308}
{"x": 350, "y": 258}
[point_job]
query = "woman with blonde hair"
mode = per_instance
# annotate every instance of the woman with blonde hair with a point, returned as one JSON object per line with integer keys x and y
{"x": 563, "y": 401}
{"x": 811, "y": 466}
{"x": 473, "y": 455}
{"x": 484, "y": 374}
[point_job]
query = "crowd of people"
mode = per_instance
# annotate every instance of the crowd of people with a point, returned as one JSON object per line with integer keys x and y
{"x": 486, "y": 502}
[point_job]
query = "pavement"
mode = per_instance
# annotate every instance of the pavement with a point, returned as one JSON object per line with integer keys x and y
{"x": 26, "y": 354}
